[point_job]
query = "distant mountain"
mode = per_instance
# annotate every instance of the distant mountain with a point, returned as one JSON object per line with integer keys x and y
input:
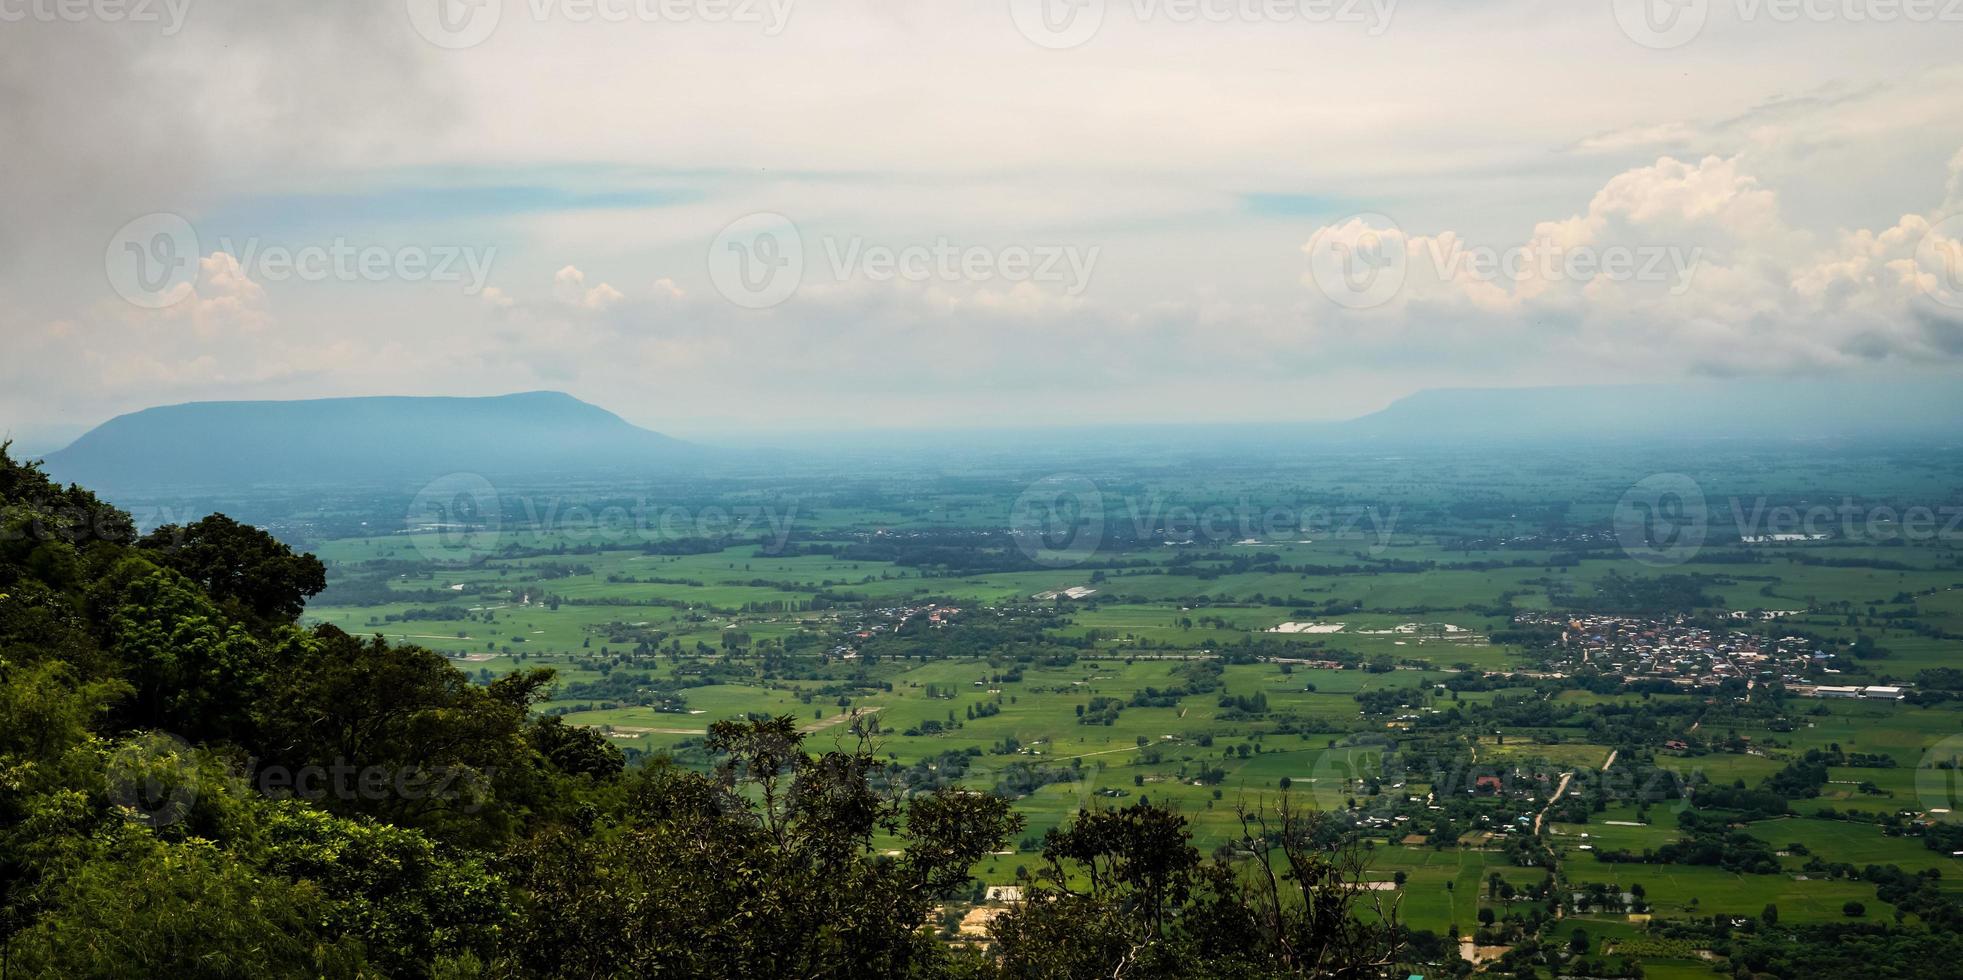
{"x": 1755, "y": 409}
{"x": 360, "y": 441}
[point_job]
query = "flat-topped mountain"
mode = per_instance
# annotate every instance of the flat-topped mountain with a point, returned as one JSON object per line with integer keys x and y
{"x": 359, "y": 441}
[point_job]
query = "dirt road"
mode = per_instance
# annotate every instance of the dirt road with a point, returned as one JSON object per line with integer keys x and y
{"x": 1556, "y": 798}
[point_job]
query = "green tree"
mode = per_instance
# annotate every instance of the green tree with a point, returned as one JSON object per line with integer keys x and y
{"x": 240, "y": 565}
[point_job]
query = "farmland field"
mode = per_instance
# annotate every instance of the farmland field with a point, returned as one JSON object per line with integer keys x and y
{"x": 1411, "y": 695}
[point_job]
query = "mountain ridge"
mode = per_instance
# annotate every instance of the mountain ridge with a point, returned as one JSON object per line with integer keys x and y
{"x": 360, "y": 439}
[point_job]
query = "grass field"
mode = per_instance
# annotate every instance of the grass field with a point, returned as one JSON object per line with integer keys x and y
{"x": 1090, "y": 693}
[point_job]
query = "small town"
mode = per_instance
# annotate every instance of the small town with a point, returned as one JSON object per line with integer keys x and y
{"x": 1676, "y": 650}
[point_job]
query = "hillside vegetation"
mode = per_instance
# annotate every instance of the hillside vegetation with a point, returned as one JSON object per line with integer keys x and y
{"x": 193, "y": 785}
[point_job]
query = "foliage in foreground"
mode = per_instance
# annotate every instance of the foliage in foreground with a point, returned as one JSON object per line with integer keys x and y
{"x": 191, "y": 785}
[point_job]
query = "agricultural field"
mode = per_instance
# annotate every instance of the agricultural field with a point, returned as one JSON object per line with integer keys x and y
{"x": 1369, "y": 646}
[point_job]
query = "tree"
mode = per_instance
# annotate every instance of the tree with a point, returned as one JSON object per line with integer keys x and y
{"x": 1124, "y": 893}
{"x": 195, "y": 672}
{"x": 240, "y": 564}
{"x": 148, "y": 908}
{"x": 574, "y": 750}
{"x": 1853, "y": 910}
{"x": 347, "y": 706}
{"x": 762, "y": 867}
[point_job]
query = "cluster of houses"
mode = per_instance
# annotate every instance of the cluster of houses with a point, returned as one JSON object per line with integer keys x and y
{"x": 1674, "y": 650}
{"x": 890, "y": 620}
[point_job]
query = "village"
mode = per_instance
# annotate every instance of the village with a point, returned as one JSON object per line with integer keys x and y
{"x": 1688, "y": 655}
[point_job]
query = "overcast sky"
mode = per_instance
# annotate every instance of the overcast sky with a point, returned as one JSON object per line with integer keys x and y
{"x": 734, "y": 217}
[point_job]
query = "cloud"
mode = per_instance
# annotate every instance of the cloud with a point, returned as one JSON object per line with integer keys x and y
{"x": 223, "y": 300}
{"x": 569, "y": 287}
{"x": 1684, "y": 265}
{"x": 1788, "y": 162}
{"x": 109, "y": 120}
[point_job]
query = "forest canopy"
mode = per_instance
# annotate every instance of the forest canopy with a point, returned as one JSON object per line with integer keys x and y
{"x": 194, "y": 785}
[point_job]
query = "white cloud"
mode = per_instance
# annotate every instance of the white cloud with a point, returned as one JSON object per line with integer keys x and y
{"x": 1717, "y": 280}
{"x": 1795, "y": 163}
{"x": 224, "y": 299}
{"x": 569, "y": 287}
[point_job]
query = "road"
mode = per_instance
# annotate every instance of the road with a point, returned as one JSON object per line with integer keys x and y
{"x": 1558, "y": 790}
{"x": 1556, "y": 798}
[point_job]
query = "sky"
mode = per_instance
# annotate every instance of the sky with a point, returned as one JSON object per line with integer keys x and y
{"x": 724, "y": 217}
